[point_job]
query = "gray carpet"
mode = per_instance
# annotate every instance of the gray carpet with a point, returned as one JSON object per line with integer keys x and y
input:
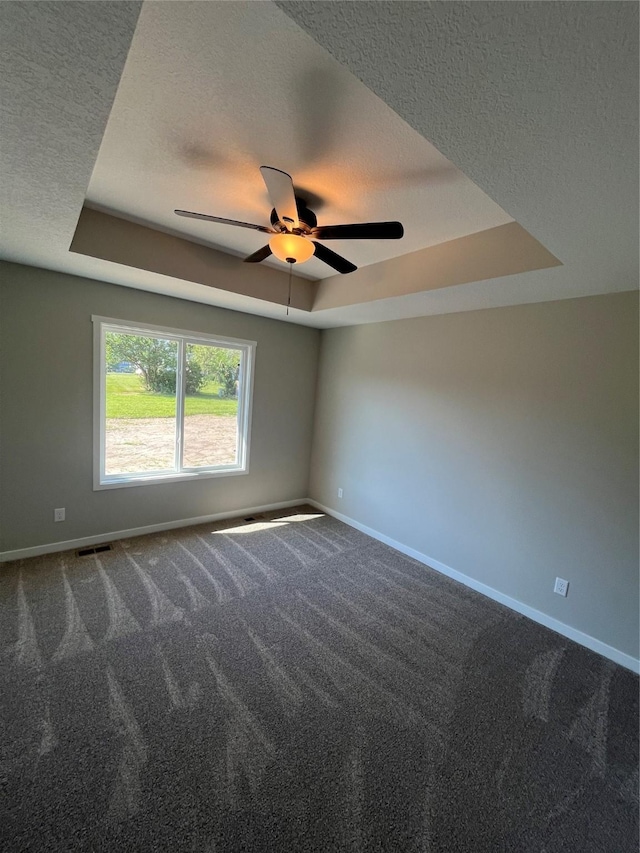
{"x": 293, "y": 685}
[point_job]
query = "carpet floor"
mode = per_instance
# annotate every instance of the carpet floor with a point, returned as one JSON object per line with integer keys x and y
{"x": 289, "y": 684}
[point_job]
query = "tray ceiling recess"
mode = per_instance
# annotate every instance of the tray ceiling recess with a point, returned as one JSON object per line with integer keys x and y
{"x": 212, "y": 91}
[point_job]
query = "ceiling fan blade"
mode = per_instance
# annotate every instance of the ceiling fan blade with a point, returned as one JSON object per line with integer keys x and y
{"x": 360, "y": 231}
{"x": 258, "y": 256}
{"x": 283, "y": 198}
{"x": 340, "y": 264}
{"x": 208, "y": 218}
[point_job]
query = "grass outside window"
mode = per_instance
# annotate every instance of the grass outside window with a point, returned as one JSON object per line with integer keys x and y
{"x": 128, "y": 398}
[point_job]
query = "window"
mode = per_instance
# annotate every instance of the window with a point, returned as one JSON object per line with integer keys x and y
{"x": 169, "y": 404}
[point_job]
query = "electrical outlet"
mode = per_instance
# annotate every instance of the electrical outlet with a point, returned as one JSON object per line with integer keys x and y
{"x": 561, "y": 587}
{"x": 339, "y": 493}
{"x": 58, "y": 514}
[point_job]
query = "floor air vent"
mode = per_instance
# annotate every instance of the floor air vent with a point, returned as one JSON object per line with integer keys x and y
{"x": 94, "y": 549}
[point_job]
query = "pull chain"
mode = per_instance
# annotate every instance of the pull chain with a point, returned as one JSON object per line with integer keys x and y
{"x": 289, "y": 297}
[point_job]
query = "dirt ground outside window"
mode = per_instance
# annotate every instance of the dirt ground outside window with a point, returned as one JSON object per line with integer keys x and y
{"x": 147, "y": 444}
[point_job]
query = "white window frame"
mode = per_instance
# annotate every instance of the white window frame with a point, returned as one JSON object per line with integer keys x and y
{"x": 101, "y": 480}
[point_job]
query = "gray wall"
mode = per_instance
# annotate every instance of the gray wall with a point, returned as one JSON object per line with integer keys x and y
{"x": 46, "y": 452}
{"x": 502, "y": 443}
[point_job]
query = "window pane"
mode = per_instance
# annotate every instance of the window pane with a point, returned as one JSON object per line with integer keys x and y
{"x": 211, "y": 406}
{"x": 140, "y": 428}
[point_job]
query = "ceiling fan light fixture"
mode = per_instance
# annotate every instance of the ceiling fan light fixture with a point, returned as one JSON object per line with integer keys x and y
{"x": 287, "y": 246}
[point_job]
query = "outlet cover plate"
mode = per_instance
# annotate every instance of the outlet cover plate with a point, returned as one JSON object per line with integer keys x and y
{"x": 561, "y": 587}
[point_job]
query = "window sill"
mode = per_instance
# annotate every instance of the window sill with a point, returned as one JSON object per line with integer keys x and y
{"x": 151, "y": 480}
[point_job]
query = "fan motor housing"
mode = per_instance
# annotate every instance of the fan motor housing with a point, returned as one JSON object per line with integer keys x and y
{"x": 308, "y": 220}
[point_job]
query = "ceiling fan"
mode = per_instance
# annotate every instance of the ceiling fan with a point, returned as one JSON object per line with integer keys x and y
{"x": 295, "y": 230}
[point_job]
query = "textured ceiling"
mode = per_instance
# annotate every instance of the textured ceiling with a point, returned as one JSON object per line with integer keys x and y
{"x": 60, "y": 65}
{"x": 537, "y": 103}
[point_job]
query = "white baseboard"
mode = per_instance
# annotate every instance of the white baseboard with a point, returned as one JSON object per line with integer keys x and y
{"x": 72, "y": 544}
{"x": 537, "y": 615}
